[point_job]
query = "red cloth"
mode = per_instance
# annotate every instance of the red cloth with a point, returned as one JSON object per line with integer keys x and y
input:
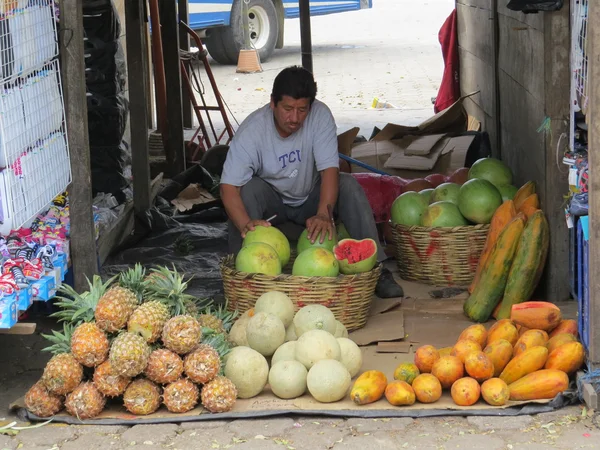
{"x": 381, "y": 191}
{"x": 449, "y": 91}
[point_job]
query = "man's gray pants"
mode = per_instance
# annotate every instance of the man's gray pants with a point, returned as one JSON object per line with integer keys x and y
{"x": 352, "y": 209}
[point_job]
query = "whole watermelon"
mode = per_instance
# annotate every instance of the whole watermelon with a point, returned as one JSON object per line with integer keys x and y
{"x": 408, "y": 208}
{"x": 426, "y": 194}
{"x": 507, "y": 191}
{"x": 445, "y": 192}
{"x": 491, "y": 169}
{"x": 443, "y": 214}
{"x": 478, "y": 200}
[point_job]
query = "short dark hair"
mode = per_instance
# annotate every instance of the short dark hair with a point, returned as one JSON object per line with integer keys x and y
{"x": 296, "y": 82}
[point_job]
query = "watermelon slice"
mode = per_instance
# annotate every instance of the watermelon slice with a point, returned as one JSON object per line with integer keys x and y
{"x": 356, "y": 256}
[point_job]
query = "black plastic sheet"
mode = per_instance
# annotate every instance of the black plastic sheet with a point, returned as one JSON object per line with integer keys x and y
{"x": 534, "y": 6}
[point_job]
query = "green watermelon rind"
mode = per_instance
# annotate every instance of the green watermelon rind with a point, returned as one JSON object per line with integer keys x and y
{"x": 347, "y": 268}
{"x": 302, "y": 265}
{"x": 492, "y": 170}
{"x": 463, "y": 221}
{"x": 479, "y": 213}
{"x": 304, "y": 243}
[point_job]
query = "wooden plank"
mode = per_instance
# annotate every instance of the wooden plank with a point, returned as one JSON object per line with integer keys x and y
{"x": 138, "y": 94}
{"x": 475, "y": 32}
{"x": 174, "y": 147}
{"x": 523, "y": 148}
{"x": 521, "y": 55}
{"x": 20, "y": 328}
{"x": 115, "y": 235}
{"x": 589, "y": 393}
{"x": 184, "y": 44}
{"x": 477, "y": 75}
{"x": 557, "y": 90}
{"x": 535, "y": 21}
{"x": 83, "y": 242}
{"x": 593, "y": 119}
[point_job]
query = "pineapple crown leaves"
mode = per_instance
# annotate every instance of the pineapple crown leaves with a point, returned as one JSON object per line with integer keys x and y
{"x": 133, "y": 279}
{"x": 77, "y": 308}
{"x": 221, "y": 312}
{"x": 168, "y": 286}
{"x": 61, "y": 342}
{"x": 218, "y": 341}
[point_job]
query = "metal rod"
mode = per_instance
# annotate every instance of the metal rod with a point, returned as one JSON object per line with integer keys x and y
{"x": 159, "y": 70}
{"x": 361, "y": 164}
{"x": 305, "y": 36}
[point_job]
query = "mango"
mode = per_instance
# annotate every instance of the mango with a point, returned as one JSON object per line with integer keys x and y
{"x": 368, "y": 387}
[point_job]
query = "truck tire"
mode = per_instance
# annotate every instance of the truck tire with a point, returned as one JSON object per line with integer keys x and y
{"x": 224, "y": 43}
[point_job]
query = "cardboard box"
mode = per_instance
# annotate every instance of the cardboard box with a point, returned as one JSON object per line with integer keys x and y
{"x": 44, "y": 289}
{"x": 8, "y": 311}
{"x": 415, "y": 152}
{"x": 24, "y": 298}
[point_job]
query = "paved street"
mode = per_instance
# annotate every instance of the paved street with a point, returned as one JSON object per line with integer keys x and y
{"x": 391, "y": 52}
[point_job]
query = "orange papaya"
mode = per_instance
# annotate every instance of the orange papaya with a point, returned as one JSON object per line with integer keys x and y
{"x": 524, "y": 191}
{"x": 529, "y": 211}
{"x": 560, "y": 339}
{"x": 530, "y": 339}
{"x": 531, "y": 201}
{"x": 528, "y": 264}
{"x": 568, "y": 357}
{"x": 490, "y": 287}
{"x": 525, "y": 363}
{"x": 566, "y": 326}
{"x": 536, "y": 315}
{"x": 503, "y": 215}
{"x": 542, "y": 384}
{"x": 368, "y": 387}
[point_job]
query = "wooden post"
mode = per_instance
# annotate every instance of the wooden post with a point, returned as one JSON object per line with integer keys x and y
{"x": 83, "y": 239}
{"x": 174, "y": 147}
{"x": 593, "y": 119}
{"x": 184, "y": 44}
{"x": 138, "y": 94}
{"x": 557, "y": 93}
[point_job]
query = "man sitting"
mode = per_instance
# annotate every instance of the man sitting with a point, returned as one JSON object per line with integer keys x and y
{"x": 284, "y": 161}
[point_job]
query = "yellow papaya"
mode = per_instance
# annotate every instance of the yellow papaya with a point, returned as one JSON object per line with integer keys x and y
{"x": 528, "y": 264}
{"x": 490, "y": 287}
{"x": 524, "y": 191}
{"x": 539, "y": 385}
{"x": 527, "y": 362}
{"x": 530, "y": 338}
{"x": 368, "y": 387}
{"x": 531, "y": 201}
{"x": 568, "y": 357}
{"x": 560, "y": 339}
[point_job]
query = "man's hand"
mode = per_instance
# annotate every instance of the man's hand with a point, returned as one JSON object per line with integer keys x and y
{"x": 252, "y": 224}
{"x": 319, "y": 226}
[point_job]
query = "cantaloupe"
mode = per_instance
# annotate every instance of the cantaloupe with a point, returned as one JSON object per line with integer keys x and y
{"x": 287, "y": 379}
{"x": 278, "y": 304}
{"x": 314, "y": 317}
{"x": 265, "y": 333}
{"x": 285, "y": 352}
{"x": 237, "y": 334}
{"x": 340, "y": 330}
{"x": 290, "y": 333}
{"x": 248, "y": 370}
{"x": 328, "y": 381}
{"x": 315, "y": 345}
{"x": 351, "y": 355}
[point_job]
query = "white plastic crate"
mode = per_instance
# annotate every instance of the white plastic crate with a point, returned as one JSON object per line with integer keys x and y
{"x": 28, "y": 37}
{"x": 33, "y": 141}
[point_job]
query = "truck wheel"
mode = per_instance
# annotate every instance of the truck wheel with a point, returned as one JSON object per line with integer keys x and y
{"x": 224, "y": 43}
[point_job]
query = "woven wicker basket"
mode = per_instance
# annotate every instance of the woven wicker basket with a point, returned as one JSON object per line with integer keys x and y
{"x": 439, "y": 256}
{"x": 349, "y": 297}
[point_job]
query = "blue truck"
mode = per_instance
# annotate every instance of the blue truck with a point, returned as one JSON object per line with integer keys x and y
{"x": 222, "y": 20}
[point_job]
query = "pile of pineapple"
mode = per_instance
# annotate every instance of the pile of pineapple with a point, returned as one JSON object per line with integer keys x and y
{"x": 139, "y": 338}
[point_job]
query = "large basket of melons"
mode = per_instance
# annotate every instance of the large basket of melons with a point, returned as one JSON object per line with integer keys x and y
{"x": 342, "y": 278}
{"x": 439, "y": 234}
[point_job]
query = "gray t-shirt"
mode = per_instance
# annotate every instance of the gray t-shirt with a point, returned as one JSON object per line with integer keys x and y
{"x": 290, "y": 165}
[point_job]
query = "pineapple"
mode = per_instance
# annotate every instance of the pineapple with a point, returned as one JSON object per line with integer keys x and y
{"x": 167, "y": 286}
{"x": 181, "y": 396}
{"x": 211, "y": 322}
{"x": 77, "y": 308}
{"x": 142, "y": 397}
{"x": 220, "y": 320}
{"x": 114, "y": 308}
{"x": 182, "y": 334}
{"x": 133, "y": 279}
{"x": 129, "y": 354}
{"x": 203, "y": 364}
{"x": 62, "y": 374}
{"x": 41, "y": 402}
{"x": 85, "y": 401}
{"x": 164, "y": 366}
{"x": 109, "y": 384}
{"x": 148, "y": 320}
{"x": 89, "y": 345}
{"x": 219, "y": 395}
